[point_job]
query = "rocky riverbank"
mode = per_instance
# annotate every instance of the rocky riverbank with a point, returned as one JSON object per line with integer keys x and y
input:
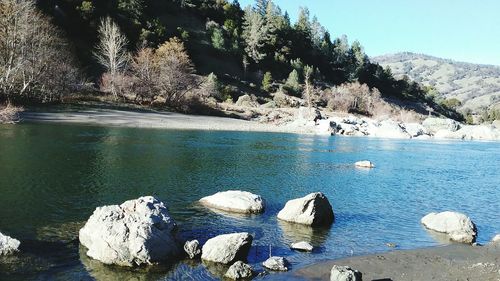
{"x": 453, "y": 262}
{"x": 302, "y": 121}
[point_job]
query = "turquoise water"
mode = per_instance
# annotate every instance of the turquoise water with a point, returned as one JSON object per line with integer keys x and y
{"x": 52, "y": 177}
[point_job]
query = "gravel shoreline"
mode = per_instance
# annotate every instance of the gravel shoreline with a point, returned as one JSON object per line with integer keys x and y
{"x": 150, "y": 119}
{"x": 452, "y": 262}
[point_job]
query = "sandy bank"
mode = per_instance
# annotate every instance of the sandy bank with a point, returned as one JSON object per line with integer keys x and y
{"x": 454, "y": 262}
{"x": 150, "y": 119}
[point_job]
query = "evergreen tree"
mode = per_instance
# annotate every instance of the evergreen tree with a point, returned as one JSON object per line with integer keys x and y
{"x": 292, "y": 83}
{"x": 267, "y": 81}
{"x": 261, "y": 6}
{"x": 218, "y": 40}
{"x": 303, "y": 24}
{"x": 255, "y": 34}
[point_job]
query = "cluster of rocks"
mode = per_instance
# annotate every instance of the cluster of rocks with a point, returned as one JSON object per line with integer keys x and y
{"x": 432, "y": 127}
{"x": 142, "y": 232}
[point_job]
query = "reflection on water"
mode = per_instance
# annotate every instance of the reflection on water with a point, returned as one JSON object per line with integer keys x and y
{"x": 52, "y": 177}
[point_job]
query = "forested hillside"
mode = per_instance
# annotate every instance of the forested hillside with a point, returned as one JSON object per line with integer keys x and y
{"x": 213, "y": 49}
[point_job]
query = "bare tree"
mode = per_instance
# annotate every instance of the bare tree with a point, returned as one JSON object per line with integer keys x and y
{"x": 111, "y": 51}
{"x": 308, "y": 72}
{"x": 175, "y": 71}
{"x": 144, "y": 69}
{"x": 35, "y": 62}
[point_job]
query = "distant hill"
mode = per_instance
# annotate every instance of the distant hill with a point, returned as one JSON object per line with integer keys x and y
{"x": 475, "y": 85}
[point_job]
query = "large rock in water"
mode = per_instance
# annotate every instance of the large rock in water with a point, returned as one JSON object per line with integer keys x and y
{"x": 8, "y": 245}
{"x": 313, "y": 209}
{"x": 136, "y": 232}
{"x": 239, "y": 270}
{"x": 227, "y": 248}
{"x": 344, "y": 273}
{"x": 457, "y": 226}
{"x": 276, "y": 264}
{"x": 192, "y": 248}
{"x": 235, "y": 201}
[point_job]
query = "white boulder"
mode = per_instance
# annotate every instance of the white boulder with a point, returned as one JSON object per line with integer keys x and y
{"x": 276, "y": 264}
{"x": 308, "y": 114}
{"x": 235, "y": 201}
{"x": 415, "y": 129}
{"x": 302, "y": 246}
{"x": 326, "y": 127}
{"x": 192, "y": 248}
{"x": 239, "y": 270}
{"x": 364, "y": 164}
{"x": 136, "y": 232}
{"x": 344, "y": 273}
{"x": 457, "y": 226}
{"x": 434, "y": 124}
{"x": 313, "y": 209}
{"x": 388, "y": 129}
{"x": 227, "y": 248}
{"x": 8, "y": 245}
{"x": 478, "y": 132}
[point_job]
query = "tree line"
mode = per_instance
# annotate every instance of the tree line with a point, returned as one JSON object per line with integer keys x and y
{"x": 156, "y": 51}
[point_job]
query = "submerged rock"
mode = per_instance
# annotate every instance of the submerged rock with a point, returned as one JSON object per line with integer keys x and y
{"x": 276, "y": 264}
{"x": 302, "y": 246}
{"x": 192, "y": 248}
{"x": 227, "y": 248}
{"x": 235, "y": 201}
{"x": 8, "y": 245}
{"x": 344, "y": 273}
{"x": 239, "y": 270}
{"x": 313, "y": 209}
{"x": 136, "y": 232}
{"x": 457, "y": 226}
{"x": 364, "y": 164}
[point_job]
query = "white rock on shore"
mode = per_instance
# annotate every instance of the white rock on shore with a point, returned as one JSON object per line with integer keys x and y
{"x": 235, "y": 201}
{"x": 344, "y": 273}
{"x": 136, "y": 232}
{"x": 434, "y": 124}
{"x": 313, "y": 209}
{"x": 227, "y": 248}
{"x": 457, "y": 226}
{"x": 239, "y": 270}
{"x": 302, "y": 246}
{"x": 8, "y": 245}
{"x": 276, "y": 264}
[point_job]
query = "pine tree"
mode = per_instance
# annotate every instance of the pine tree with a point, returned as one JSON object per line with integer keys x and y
{"x": 292, "y": 83}
{"x": 255, "y": 35}
{"x": 267, "y": 81}
{"x": 261, "y": 6}
{"x": 218, "y": 40}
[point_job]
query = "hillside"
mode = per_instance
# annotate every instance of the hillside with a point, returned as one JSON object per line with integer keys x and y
{"x": 192, "y": 54}
{"x": 475, "y": 85}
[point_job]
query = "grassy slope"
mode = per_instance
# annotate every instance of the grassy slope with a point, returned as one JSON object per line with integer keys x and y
{"x": 473, "y": 84}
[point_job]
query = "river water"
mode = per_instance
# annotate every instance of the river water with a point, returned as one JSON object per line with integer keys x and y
{"x": 52, "y": 177}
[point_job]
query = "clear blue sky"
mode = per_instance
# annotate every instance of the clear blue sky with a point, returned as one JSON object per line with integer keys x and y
{"x": 464, "y": 30}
